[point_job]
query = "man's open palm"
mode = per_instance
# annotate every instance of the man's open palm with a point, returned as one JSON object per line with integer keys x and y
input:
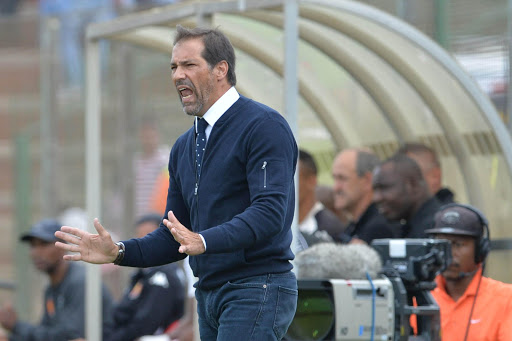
{"x": 92, "y": 248}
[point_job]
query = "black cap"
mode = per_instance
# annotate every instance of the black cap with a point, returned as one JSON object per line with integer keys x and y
{"x": 457, "y": 220}
{"x": 44, "y": 230}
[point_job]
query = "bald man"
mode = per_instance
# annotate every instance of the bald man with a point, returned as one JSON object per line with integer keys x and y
{"x": 352, "y": 173}
{"x": 402, "y": 195}
{"x": 430, "y": 166}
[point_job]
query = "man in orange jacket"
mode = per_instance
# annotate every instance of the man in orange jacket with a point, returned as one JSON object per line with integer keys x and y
{"x": 473, "y": 307}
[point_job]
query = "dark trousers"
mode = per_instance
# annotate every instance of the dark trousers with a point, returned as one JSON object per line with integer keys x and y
{"x": 257, "y": 308}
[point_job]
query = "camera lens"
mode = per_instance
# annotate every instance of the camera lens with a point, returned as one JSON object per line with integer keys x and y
{"x": 314, "y": 318}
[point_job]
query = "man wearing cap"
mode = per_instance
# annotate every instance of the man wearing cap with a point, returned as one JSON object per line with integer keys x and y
{"x": 63, "y": 311}
{"x": 473, "y": 307}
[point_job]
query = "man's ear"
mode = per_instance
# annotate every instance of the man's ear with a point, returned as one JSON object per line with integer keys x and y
{"x": 368, "y": 180}
{"x": 411, "y": 186}
{"x": 221, "y": 69}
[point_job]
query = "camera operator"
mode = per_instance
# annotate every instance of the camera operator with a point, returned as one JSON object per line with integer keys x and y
{"x": 473, "y": 307}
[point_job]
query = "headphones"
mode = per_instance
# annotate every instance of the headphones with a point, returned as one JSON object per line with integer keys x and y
{"x": 482, "y": 243}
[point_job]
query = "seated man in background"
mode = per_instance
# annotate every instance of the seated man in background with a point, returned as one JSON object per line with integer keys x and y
{"x": 155, "y": 298}
{"x": 64, "y": 305}
{"x": 316, "y": 223}
{"x": 430, "y": 167}
{"x": 402, "y": 195}
{"x": 352, "y": 172}
{"x": 473, "y": 307}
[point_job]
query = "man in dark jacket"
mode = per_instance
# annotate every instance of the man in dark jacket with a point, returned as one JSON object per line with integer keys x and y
{"x": 430, "y": 166}
{"x": 402, "y": 195}
{"x": 352, "y": 171}
{"x": 230, "y": 203}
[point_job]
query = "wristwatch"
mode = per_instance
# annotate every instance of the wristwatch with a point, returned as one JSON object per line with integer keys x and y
{"x": 120, "y": 253}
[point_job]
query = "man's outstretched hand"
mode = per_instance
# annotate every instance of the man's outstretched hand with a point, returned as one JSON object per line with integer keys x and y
{"x": 191, "y": 242}
{"x": 92, "y": 248}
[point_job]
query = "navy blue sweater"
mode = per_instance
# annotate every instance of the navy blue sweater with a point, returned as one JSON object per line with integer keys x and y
{"x": 245, "y": 200}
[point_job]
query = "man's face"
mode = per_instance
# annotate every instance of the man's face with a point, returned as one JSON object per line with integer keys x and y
{"x": 45, "y": 255}
{"x": 463, "y": 256}
{"x": 149, "y": 139}
{"x": 143, "y": 229}
{"x": 192, "y": 77}
{"x": 390, "y": 192}
{"x": 431, "y": 173}
{"x": 348, "y": 186}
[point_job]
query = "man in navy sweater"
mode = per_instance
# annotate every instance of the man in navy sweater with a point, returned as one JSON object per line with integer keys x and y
{"x": 229, "y": 206}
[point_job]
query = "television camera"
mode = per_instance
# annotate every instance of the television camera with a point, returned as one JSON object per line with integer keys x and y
{"x": 376, "y": 308}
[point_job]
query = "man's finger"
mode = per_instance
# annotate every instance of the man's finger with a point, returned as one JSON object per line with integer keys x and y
{"x": 101, "y": 230}
{"x": 74, "y": 257}
{"x": 172, "y": 218}
{"x": 63, "y": 246}
{"x": 73, "y": 231}
{"x": 176, "y": 234}
{"x": 67, "y": 237}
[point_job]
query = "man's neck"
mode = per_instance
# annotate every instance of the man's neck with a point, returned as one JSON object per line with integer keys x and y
{"x": 457, "y": 288}
{"x": 58, "y": 274}
{"x": 361, "y": 207}
{"x": 148, "y": 154}
{"x": 416, "y": 208}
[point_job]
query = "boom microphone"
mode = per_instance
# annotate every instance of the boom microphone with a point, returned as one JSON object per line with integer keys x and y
{"x": 338, "y": 261}
{"x": 463, "y": 274}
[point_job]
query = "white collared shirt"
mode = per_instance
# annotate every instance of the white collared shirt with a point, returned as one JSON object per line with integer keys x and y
{"x": 309, "y": 225}
{"x": 219, "y": 108}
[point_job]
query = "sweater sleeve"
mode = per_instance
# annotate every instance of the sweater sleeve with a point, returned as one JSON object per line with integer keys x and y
{"x": 140, "y": 252}
{"x": 270, "y": 168}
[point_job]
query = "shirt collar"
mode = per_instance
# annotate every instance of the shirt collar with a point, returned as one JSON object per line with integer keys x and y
{"x": 309, "y": 225}
{"x": 220, "y": 107}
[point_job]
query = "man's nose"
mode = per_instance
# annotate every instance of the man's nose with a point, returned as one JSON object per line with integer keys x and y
{"x": 337, "y": 186}
{"x": 178, "y": 74}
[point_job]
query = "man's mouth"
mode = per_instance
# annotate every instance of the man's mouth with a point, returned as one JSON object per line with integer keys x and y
{"x": 185, "y": 92}
{"x": 453, "y": 267}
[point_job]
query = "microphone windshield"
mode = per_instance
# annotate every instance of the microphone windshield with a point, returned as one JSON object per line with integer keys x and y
{"x": 338, "y": 261}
